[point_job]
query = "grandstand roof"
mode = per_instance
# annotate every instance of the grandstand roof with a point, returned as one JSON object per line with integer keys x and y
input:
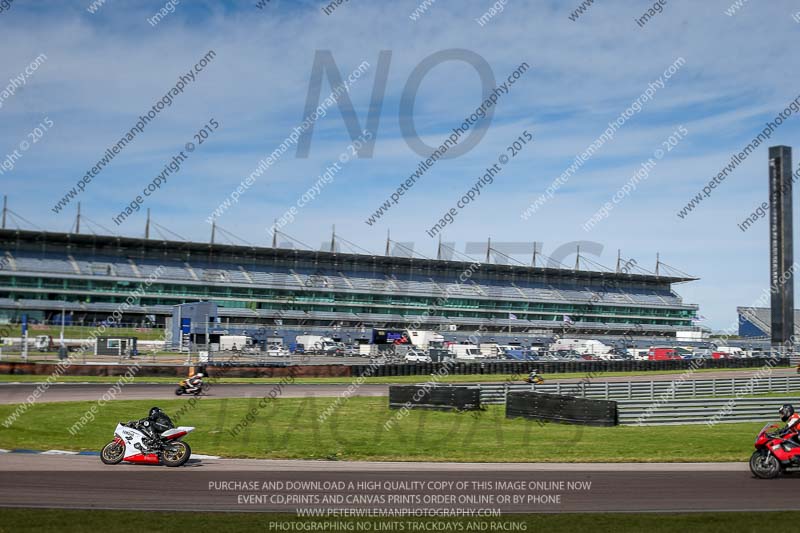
{"x": 27, "y": 239}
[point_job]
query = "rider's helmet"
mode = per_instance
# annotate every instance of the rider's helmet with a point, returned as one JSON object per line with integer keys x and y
{"x": 786, "y": 411}
{"x": 200, "y": 375}
{"x": 155, "y": 412}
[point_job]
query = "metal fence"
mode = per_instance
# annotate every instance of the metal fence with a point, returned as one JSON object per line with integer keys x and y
{"x": 705, "y": 411}
{"x": 649, "y": 390}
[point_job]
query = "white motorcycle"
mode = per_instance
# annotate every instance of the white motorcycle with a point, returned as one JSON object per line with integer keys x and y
{"x": 133, "y": 445}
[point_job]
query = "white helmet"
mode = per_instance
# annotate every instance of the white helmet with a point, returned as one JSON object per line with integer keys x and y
{"x": 200, "y": 375}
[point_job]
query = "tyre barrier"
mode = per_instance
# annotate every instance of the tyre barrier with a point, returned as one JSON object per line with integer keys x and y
{"x": 429, "y": 396}
{"x": 564, "y": 409}
{"x": 553, "y": 367}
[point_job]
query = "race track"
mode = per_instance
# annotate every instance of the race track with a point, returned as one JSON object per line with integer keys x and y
{"x": 72, "y": 392}
{"x": 11, "y": 393}
{"x": 216, "y": 485}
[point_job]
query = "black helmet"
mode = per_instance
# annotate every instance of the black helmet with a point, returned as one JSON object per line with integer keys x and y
{"x": 155, "y": 412}
{"x": 786, "y": 411}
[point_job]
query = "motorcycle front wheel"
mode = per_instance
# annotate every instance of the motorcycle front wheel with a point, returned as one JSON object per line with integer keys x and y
{"x": 176, "y": 454}
{"x": 764, "y": 465}
{"x": 112, "y": 453}
{"x": 178, "y": 391}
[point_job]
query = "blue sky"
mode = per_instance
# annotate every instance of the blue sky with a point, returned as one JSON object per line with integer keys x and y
{"x": 105, "y": 69}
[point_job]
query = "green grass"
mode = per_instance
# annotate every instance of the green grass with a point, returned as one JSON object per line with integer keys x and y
{"x": 454, "y": 378}
{"x": 71, "y": 521}
{"x": 290, "y": 428}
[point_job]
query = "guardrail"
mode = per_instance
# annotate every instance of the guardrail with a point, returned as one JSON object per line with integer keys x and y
{"x": 674, "y": 412}
{"x": 647, "y": 390}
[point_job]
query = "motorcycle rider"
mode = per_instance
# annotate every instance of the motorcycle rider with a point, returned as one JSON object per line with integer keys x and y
{"x": 194, "y": 382}
{"x": 156, "y": 423}
{"x": 792, "y": 427}
{"x": 791, "y": 419}
{"x": 534, "y": 376}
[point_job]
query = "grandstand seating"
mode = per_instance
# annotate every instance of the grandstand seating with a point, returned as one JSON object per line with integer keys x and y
{"x": 299, "y": 279}
{"x": 325, "y": 293}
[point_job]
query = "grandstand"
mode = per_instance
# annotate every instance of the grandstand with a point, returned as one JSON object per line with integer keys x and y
{"x": 756, "y": 322}
{"x": 90, "y": 275}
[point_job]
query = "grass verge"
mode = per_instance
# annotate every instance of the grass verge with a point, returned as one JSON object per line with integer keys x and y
{"x": 71, "y": 521}
{"x": 299, "y": 429}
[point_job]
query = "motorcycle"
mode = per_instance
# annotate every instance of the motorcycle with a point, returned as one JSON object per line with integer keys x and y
{"x": 536, "y": 379}
{"x": 133, "y": 445}
{"x": 775, "y": 453}
{"x": 185, "y": 388}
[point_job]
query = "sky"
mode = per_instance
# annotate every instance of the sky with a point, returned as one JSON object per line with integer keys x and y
{"x": 102, "y": 65}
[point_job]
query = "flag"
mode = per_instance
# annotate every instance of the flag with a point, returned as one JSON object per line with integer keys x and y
{"x": 512, "y": 316}
{"x": 567, "y": 319}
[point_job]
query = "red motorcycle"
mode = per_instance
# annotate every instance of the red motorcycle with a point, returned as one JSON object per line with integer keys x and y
{"x": 776, "y": 452}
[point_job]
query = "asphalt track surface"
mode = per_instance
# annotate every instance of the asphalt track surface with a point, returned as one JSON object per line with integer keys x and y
{"x": 70, "y": 392}
{"x": 83, "y": 482}
{"x": 14, "y": 393}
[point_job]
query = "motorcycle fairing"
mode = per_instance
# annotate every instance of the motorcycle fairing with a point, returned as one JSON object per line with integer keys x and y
{"x": 134, "y": 445}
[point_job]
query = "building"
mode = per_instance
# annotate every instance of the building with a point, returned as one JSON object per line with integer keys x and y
{"x": 755, "y": 322}
{"x": 90, "y": 277}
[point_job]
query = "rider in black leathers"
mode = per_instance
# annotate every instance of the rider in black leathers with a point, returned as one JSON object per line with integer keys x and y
{"x": 156, "y": 423}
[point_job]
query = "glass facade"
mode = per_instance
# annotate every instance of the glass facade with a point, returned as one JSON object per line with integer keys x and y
{"x": 321, "y": 300}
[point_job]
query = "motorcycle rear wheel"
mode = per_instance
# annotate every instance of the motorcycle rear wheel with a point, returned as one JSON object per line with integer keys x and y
{"x": 764, "y": 465}
{"x": 112, "y": 453}
{"x": 176, "y": 454}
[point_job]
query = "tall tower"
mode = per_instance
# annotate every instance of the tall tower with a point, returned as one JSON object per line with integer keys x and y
{"x": 781, "y": 255}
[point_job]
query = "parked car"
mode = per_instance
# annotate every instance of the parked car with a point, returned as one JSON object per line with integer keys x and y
{"x": 276, "y": 350}
{"x": 352, "y": 350}
{"x": 415, "y": 356}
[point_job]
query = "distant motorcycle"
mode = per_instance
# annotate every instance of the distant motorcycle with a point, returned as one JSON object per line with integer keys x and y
{"x": 535, "y": 379}
{"x": 185, "y": 388}
{"x": 133, "y": 445}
